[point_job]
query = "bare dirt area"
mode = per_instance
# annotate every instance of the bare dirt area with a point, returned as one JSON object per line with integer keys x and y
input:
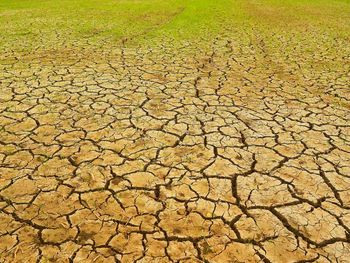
{"x": 229, "y": 152}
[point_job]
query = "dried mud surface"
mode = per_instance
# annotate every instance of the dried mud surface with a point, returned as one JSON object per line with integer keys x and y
{"x": 226, "y": 153}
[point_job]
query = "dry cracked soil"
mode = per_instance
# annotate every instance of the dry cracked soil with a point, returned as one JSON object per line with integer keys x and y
{"x": 230, "y": 151}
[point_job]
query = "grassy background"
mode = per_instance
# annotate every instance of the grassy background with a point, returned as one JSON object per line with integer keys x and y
{"x": 26, "y": 24}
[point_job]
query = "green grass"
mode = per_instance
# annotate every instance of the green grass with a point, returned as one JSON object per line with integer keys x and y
{"x": 31, "y": 23}
{"x": 76, "y": 20}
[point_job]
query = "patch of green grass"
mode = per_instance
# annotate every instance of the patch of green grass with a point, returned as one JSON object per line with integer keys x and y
{"x": 317, "y": 14}
{"x": 39, "y": 21}
{"x": 29, "y": 23}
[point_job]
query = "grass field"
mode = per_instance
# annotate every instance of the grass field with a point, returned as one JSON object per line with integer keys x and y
{"x": 73, "y": 21}
{"x": 174, "y": 131}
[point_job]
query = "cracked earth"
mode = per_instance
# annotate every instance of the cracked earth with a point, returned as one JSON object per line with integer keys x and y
{"x": 234, "y": 151}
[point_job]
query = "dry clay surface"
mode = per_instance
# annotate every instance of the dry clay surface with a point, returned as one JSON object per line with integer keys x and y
{"x": 228, "y": 152}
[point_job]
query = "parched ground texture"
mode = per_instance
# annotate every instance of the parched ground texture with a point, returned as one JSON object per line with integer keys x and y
{"x": 235, "y": 149}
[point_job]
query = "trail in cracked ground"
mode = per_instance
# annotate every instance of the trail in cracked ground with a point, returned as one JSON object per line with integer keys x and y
{"x": 231, "y": 153}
